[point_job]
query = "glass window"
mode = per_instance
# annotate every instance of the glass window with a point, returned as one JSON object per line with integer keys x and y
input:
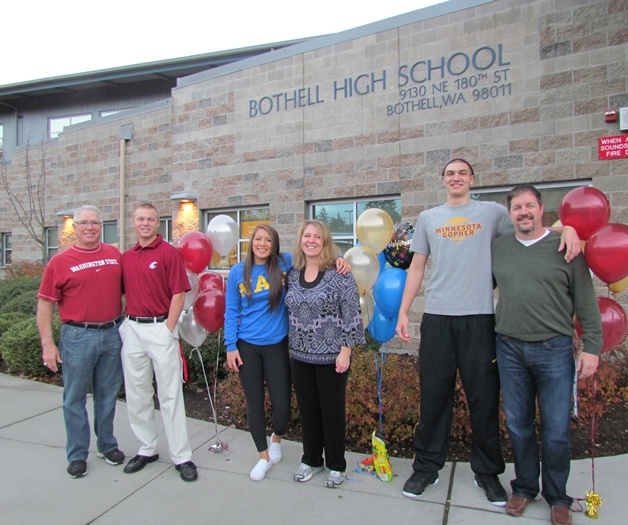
{"x": 110, "y": 112}
{"x": 51, "y": 246}
{"x": 165, "y": 228}
{"x": 5, "y": 249}
{"x": 340, "y": 216}
{"x": 552, "y": 194}
{"x": 247, "y": 220}
{"x": 56, "y": 125}
{"x": 110, "y": 232}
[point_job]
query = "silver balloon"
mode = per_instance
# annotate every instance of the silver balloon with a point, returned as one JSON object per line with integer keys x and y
{"x": 191, "y": 295}
{"x": 222, "y": 231}
{"x": 191, "y": 332}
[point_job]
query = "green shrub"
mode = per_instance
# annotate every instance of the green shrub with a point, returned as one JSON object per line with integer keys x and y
{"x": 7, "y": 320}
{"x": 20, "y": 347}
{"x": 25, "y": 303}
{"x": 19, "y": 294}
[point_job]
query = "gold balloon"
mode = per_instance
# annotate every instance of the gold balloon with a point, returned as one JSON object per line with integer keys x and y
{"x": 557, "y": 224}
{"x": 364, "y": 267}
{"x": 619, "y": 286}
{"x": 367, "y": 307}
{"x": 374, "y": 229}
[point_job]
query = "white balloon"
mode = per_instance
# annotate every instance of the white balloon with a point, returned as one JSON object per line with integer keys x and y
{"x": 222, "y": 231}
{"x": 190, "y": 296}
{"x": 191, "y": 332}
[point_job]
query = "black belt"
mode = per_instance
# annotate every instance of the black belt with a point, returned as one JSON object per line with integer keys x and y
{"x": 96, "y": 326}
{"x": 158, "y": 319}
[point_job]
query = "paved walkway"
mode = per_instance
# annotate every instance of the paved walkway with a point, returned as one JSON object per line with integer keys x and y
{"x": 34, "y": 487}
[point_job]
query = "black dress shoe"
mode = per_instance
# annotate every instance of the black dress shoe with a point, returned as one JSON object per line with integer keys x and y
{"x": 187, "y": 470}
{"x": 139, "y": 462}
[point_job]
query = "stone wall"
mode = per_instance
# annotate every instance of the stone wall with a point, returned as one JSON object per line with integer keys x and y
{"x": 518, "y": 87}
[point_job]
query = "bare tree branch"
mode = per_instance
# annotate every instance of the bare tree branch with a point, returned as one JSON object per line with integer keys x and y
{"x": 29, "y": 208}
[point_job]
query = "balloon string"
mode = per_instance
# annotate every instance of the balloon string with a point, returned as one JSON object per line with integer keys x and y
{"x": 594, "y": 420}
{"x": 209, "y": 396}
{"x": 379, "y": 370}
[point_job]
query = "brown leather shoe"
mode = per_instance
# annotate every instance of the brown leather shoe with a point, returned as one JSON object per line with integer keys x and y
{"x": 560, "y": 515}
{"x": 517, "y": 505}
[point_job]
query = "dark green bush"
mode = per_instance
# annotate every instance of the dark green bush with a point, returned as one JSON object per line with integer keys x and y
{"x": 10, "y": 288}
{"x": 20, "y": 347}
{"x": 9, "y": 319}
{"x": 19, "y": 294}
{"x": 25, "y": 303}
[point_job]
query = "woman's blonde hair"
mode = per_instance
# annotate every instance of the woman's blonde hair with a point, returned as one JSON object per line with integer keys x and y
{"x": 329, "y": 253}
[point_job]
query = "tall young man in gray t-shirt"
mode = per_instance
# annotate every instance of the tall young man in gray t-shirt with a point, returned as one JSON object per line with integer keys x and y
{"x": 457, "y": 330}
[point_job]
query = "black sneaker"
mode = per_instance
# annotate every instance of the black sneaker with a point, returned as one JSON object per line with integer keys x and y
{"x": 417, "y": 483}
{"x": 77, "y": 469}
{"x": 114, "y": 457}
{"x": 495, "y": 493}
{"x": 187, "y": 470}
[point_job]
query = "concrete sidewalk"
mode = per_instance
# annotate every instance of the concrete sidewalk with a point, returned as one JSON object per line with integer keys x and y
{"x": 34, "y": 486}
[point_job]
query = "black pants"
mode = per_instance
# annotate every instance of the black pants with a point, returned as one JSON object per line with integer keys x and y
{"x": 467, "y": 344}
{"x": 321, "y": 397}
{"x": 270, "y": 363}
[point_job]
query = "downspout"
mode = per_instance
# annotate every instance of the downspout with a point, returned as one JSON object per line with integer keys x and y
{"x": 126, "y": 133}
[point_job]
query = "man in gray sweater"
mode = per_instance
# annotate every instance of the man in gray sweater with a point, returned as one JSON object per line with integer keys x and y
{"x": 539, "y": 293}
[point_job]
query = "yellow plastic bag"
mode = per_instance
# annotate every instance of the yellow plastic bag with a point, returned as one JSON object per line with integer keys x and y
{"x": 383, "y": 468}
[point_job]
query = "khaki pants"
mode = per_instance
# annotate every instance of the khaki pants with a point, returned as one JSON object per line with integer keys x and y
{"x": 146, "y": 348}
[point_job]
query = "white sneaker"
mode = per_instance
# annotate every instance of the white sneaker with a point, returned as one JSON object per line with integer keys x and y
{"x": 334, "y": 479}
{"x": 259, "y": 470}
{"x": 274, "y": 451}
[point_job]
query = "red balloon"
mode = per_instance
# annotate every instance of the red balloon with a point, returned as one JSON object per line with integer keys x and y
{"x": 208, "y": 280}
{"x": 607, "y": 252}
{"x": 585, "y": 209}
{"x": 196, "y": 250}
{"x": 209, "y": 309}
{"x": 614, "y": 323}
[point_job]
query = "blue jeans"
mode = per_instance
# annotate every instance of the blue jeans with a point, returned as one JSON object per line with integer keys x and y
{"x": 542, "y": 371}
{"x": 90, "y": 357}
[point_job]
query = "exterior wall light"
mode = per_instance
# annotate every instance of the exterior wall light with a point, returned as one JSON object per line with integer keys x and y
{"x": 186, "y": 217}
{"x": 65, "y": 214}
{"x": 66, "y": 229}
{"x": 184, "y": 196}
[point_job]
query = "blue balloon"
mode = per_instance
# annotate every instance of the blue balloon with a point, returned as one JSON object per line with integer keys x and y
{"x": 388, "y": 290}
{"x": 382, "y": 328}
{"x": 382, "y": 261}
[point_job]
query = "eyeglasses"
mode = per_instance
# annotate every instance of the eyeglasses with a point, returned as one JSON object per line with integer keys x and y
{"x": 83, "y": 224}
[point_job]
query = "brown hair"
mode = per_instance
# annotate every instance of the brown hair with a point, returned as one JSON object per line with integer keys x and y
{"x": 523, "y": 188}
{"x": 457, "y": 160}
{"x": 328, "y": 255}
{"x": 273, "y": 269}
